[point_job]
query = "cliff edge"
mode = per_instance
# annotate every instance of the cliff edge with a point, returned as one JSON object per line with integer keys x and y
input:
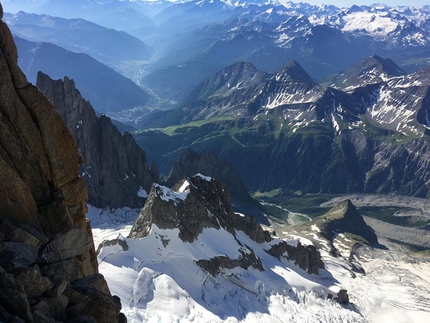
{"x": 48, "y": 267}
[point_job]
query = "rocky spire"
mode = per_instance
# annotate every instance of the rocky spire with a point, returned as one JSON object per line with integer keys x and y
{"x": 115, "y": 167}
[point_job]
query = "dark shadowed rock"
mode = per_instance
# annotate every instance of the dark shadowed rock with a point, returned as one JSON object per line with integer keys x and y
{"x": 24, "y": 254}
{"x": 13, "y": 298}
{"x": 216, "y": 264}
{"x": 115, "y": 167}
{"x": 103, "y": 308}
{"x": 34, "y": 284}
{"x": 342, "y": 297}
{"x": 94, "y": 281}
{"x": 5, "y": 316}
{"x": 73, "y": 242}
{"x": 306, "y": 257}
{"x": 82, "y": 319}
{"x": 191, "y": 163}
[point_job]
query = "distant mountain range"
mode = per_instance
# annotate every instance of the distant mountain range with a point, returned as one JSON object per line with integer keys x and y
{"x": 368, "y": 133}
{"x": 107, "y": 90}
{"x": 185, "y": 42}
{"x": 232, "y": 71}
{"x": 78, "y": 35}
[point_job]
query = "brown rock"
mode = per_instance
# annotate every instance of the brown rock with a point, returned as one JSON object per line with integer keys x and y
{"x": 59, "y": 144}
{"x": 16, "y": 200}
{"x": 18, "y": 78}
{"x": 75, "y": 191}
{"x": 42, "y": 207}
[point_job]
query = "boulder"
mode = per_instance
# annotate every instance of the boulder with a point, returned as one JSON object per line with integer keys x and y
{"x": 73, "y": 242}
{"x": 34, "y": 284}
{"x": 25, "y": 254}
{"x": 342, "y": 297}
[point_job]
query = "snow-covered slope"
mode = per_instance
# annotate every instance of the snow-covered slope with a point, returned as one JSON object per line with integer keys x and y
{"x": 158, "y": 280}
{"x": 202, "y": 267}
{"x": 218, "y": 273}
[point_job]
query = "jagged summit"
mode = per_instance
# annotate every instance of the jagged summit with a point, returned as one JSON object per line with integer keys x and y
{"x": 115, "y": 167}
{"x": 371, "y": 70}
{"x": 191, "y": 162}
{"x": 291, "y": 71}
{"x": 194, "y": 203}
{"x": 238, "y": 76}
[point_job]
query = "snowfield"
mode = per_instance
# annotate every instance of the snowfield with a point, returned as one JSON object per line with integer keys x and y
{"x": 158, "y": 280}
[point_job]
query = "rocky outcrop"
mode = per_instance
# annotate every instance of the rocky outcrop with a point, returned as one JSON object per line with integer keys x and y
{"x": 115, "y": 167}
{"x": 370, "y": 70}
{"x": 193, "y": 204}
{"x": 216, "y": 264}
{"x": 345, "y": 218}
{"x": 191, "y": 162}
{"x": 306, "y": 257}
{"x": 200, "y": 202}
{"x": 46, "y": 241}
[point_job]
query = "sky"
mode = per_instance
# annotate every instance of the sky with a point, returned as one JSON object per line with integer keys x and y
{"x": 349, "y": 3}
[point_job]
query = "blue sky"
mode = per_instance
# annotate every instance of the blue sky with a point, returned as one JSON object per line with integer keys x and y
{"x": 349, "y": 3}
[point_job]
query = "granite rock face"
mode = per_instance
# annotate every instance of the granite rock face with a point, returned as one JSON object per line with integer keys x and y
{"x": 194, "y": 203}
{"x": 46, "y": 240}
{"x": 115, "y": 167}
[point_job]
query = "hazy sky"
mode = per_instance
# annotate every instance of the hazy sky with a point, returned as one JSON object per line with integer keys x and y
{"x": 349, "y": 3}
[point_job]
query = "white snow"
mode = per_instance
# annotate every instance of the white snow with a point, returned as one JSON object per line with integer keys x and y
{"x": 159, "y": 282}
{"x": 142, "y": 193}
{"x": 167, "y": 194}
{"x": 373, "y": 23}
{"x": 206, "y": 178}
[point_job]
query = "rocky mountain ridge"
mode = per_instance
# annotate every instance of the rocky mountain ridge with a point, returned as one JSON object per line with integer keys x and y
{"x": 197, "y": 203}
{"x": 115, "y": 168}
{"x": 310, "y": 138}
{"x": 48, "y": 266}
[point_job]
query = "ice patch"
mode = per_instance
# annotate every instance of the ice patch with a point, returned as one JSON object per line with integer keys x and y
{"x": 142, "y": 193}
